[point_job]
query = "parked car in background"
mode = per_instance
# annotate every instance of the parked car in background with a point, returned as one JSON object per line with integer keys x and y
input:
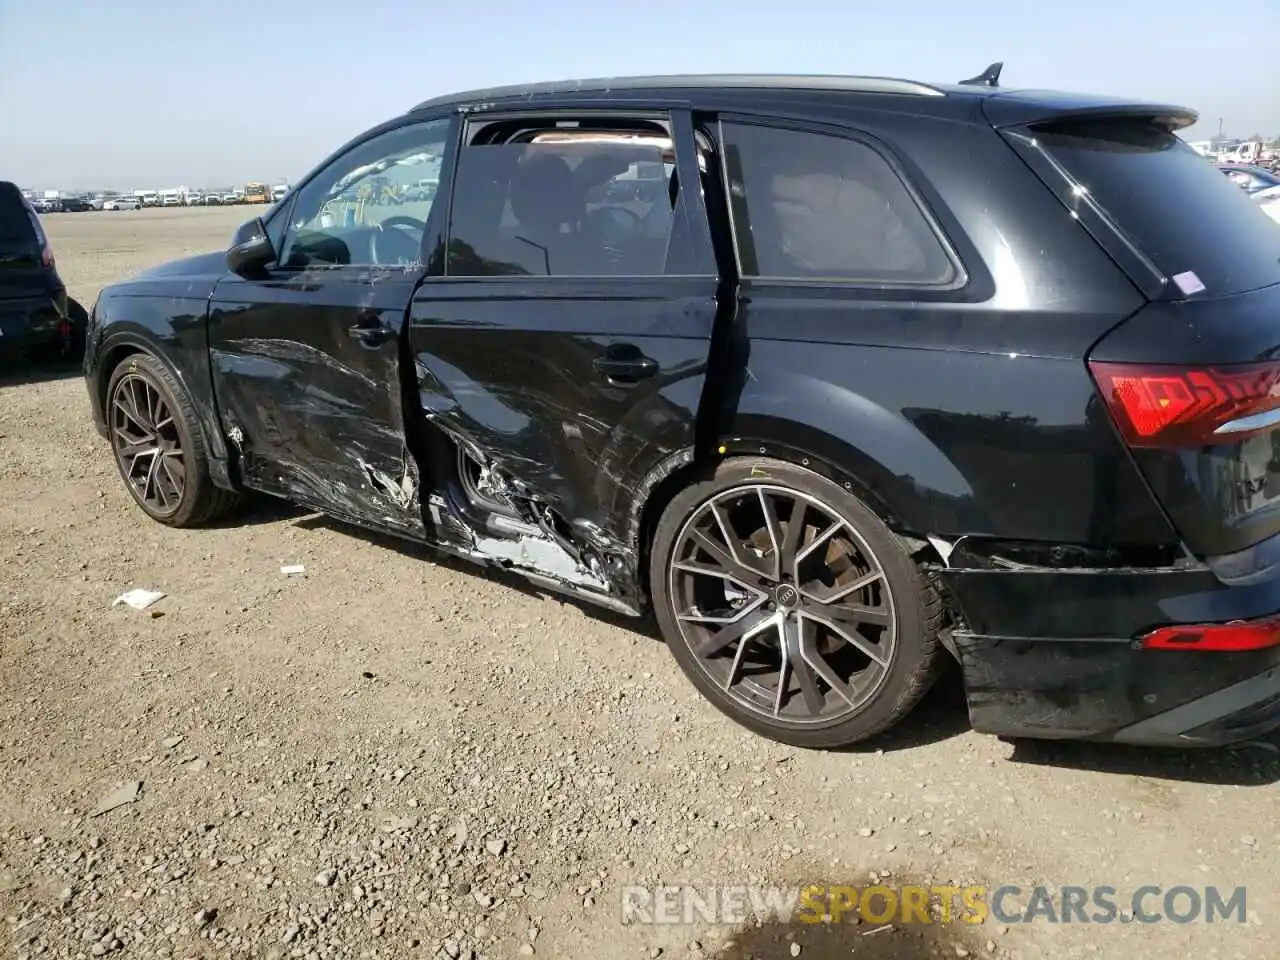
{"x": 423, "y": 189}
{"x": 890, "y": 373}
{"x": 1261, "y": 184}
{"x": 76, "y": 204}
{"x": 122, "y": 203}
{"x": 195, "y": 199}
{"x": 212, "y": 199}
{"x": 36, "y": 315}
{"x": 47, "y": 205}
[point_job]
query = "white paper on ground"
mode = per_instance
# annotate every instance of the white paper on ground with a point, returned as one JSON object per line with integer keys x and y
{"x": 138, "y": 598}
{"x": 290, "y": 569}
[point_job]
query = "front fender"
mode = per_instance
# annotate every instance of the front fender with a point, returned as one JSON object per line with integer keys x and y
{"x": 173, "y": 330}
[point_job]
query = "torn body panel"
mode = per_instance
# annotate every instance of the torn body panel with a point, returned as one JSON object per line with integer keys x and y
{"x": 543, "y": 556}
{"x": 519, "y": 375}
{"x": 508, "y": 525}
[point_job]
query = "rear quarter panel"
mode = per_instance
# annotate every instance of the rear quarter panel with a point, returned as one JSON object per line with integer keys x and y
{"x": 968, "y": 411}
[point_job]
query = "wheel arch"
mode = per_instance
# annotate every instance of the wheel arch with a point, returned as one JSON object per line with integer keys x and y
{"x": 122, "y": 344}
{"x": 906, "y": 511}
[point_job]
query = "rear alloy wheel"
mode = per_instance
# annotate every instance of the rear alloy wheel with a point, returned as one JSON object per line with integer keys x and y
{"x": 791, "y": 606}
{"x": 159, "y": 448}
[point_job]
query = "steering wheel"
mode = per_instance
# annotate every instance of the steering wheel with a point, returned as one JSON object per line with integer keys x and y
{"x": 413, "y": 223}
{"x": 392, "y": 247}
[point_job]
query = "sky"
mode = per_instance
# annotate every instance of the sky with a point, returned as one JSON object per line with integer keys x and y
{"x": 152, "y": 94}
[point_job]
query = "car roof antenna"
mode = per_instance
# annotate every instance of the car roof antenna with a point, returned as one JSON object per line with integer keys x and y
{"x": 989, "y": 77}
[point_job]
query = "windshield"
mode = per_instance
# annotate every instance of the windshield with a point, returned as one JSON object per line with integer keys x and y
{"x": 1178, "y": 210}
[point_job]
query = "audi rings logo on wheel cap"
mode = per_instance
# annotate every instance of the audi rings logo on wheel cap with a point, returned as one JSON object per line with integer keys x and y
{"x": 786, "y": 595}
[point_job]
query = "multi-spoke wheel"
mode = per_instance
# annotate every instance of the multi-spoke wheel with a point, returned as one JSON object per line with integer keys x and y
{"x": 792, "y": 606}
{"x": 158, "y": 445}
{"x": 147, "y": 444}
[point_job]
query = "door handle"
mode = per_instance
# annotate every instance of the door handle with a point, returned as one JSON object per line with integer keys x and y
{"x": 625, "y": 363}
{"x": 368, "y": 330}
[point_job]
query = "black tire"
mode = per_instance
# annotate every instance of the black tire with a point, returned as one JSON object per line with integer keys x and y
{"x": 914, "y": 606}
{"x": 200, "y": 501}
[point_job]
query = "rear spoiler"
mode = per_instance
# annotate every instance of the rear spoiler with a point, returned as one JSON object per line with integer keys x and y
{"x": 1016, "y": 109}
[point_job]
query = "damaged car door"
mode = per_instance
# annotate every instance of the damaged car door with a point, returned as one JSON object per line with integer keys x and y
{"x": 562, "y": 340}
{"x": 304, "y": 349}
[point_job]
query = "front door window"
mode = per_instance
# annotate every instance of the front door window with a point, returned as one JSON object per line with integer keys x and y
{"x": 370, "y": 207}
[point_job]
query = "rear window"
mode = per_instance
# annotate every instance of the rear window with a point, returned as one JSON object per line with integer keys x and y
{"x": 1173, "y": 205}
{"x": 20, "y": 233}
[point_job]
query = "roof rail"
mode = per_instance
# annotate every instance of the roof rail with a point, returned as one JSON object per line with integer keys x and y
{"x": 850, "y": 84}
{"x": 989, "y": 77}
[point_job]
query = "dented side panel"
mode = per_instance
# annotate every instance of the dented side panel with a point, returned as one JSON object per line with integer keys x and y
{"x": 313, "y": 407}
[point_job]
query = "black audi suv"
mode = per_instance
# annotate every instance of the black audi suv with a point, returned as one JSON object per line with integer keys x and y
{"x": 841, "y": 377}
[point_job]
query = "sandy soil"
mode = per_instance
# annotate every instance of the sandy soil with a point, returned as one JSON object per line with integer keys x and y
{"x": 391, "y": 757}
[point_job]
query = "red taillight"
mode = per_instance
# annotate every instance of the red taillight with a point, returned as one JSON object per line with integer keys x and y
{"x": 1218, "y": 637}
{"x": 1162, "y": 406}
{"x": 46, "y": 255}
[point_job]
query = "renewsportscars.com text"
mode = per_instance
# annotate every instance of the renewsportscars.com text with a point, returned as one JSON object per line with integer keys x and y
{"x": 907, "y": 904}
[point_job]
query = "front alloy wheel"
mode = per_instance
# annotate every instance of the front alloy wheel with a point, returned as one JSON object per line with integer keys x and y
{"x": 147, "y": 445}
{"x": 159, "y": 445}
{"x": 791, "y": 606}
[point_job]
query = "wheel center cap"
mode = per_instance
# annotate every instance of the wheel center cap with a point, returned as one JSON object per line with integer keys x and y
{"x": 786, "y": 596}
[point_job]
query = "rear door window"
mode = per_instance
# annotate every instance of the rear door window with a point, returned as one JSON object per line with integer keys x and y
{"x": 567, "y": 201}
{"x": 816, "y": 206}
{"x": 1173, "y": 205}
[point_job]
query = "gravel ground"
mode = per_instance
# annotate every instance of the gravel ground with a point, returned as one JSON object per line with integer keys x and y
{"x": 389, "y": 756}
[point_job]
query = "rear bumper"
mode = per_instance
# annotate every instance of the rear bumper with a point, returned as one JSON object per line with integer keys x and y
{"x": 32, "y": 322}
{"x": 1054, "y": 654}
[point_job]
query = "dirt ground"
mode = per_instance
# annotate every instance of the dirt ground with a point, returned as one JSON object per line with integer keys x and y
{"x": 394, "y": 757}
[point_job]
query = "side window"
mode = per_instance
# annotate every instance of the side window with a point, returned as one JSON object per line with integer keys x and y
{"x": 815, "y": 206}
{"x": 564, "y": 201}
{"x": 370, "y": 206}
